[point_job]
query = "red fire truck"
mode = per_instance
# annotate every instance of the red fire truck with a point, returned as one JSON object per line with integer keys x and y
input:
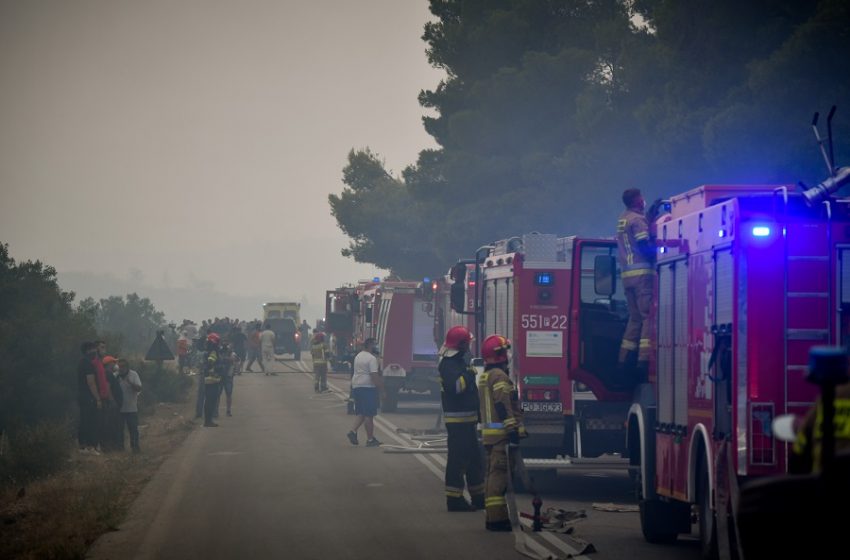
{"x": 400, "y": 315}
{"x": 538, "y": 291}
{"x": 749, "y": 278}
{"x": 341, "y": 307}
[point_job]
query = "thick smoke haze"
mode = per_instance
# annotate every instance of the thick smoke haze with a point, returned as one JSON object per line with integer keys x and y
{"x": 191, "y": 144}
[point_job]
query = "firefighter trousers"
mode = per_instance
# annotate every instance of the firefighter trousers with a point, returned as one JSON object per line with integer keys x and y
{"x": 464, "y": 463}
{"x": 497, "y": 482}
{"x": 639, "y": 299}
{"x": 320, "y": 371}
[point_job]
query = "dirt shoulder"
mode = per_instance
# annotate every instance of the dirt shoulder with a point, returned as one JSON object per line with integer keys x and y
{"x": 62, "y": 515}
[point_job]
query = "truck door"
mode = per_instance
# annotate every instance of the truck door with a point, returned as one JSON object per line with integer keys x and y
{"x": 602, "y": 317}
{"x": 720, "y": 362}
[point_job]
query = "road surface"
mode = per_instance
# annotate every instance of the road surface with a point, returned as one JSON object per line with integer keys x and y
{"x": 279, "y": 479}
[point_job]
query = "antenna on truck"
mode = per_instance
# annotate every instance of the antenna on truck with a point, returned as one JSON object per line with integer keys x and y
{"x": 830, "y": 168}
{"x": 837, "y": 177}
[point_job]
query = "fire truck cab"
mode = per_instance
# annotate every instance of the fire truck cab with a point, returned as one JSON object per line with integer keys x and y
{"x": 749, "y": 279}
{"x": 540, "y": 292}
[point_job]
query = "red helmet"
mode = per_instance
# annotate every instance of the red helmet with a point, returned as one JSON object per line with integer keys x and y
{"x": 319, "y": 337}
{"x": 494, "y": 349}
{"x": 457, "y": 337}
{"x": 214, "y": 338}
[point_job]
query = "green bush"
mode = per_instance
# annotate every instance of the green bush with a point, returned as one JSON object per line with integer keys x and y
{"x": 164, "y": 385}
{"x": 30, "y": 452}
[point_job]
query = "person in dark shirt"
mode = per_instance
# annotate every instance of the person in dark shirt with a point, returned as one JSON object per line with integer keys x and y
{"x": 460, "y": 412}
{"x": 88, "y": 398}
{"x": 237, "y": 342}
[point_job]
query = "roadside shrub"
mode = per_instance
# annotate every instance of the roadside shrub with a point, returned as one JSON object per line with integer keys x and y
{"x": 30, "y": 452}
{"x": 163, "y": 385}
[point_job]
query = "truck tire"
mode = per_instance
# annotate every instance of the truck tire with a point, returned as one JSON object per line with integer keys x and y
{"x": 390, "y": 404}
{"x": 707, "y": 519}
{"x": 655, "y": 522}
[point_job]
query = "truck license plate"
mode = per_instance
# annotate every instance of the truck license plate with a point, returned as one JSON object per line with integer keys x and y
{"x": 542, "y": 407}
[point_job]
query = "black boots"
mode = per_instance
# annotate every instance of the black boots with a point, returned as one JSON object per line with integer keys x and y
{"x": 458, "y": 504}
{"x": 478, "y": 501}
{"x": 501, "y": 526}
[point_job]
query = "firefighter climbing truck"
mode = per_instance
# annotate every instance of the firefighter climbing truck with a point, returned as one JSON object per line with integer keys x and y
{"x": 539, "y": 291}
{"x": 749, "y": 278}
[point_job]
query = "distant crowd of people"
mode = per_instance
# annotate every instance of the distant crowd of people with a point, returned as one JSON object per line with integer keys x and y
{"x": 107, "y": 394}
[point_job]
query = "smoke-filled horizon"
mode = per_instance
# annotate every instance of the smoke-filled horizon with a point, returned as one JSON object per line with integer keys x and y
{"x": 197, "y": 142}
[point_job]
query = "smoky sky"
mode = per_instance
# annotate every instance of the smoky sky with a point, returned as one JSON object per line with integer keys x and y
{"x": 198, "y": 140}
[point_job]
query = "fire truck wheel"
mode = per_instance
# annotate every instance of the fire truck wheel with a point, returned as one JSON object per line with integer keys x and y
{"x": 707, "y": 525}
{"x": 656, "y": 522}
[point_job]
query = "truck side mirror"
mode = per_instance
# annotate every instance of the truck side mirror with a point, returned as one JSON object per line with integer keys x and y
{"x": 604, "y": 275}
{"x": 457, "y": 296}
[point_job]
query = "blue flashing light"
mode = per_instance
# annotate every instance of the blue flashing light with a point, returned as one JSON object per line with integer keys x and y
{"x": 376, "y": 279}
{"x": 426, "y": 280}
{"x": 721, "y": 233}
{"x": 662, "y": 250}
{"x": 761, "y": 231}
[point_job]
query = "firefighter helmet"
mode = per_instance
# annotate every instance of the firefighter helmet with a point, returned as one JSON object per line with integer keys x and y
{"x": 456, "y": 337}
{"x": 214, "y": 338}
{"x": 495, "y": 348}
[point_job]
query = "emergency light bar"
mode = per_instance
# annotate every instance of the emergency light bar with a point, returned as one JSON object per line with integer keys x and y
{"x": 761, "y": 231}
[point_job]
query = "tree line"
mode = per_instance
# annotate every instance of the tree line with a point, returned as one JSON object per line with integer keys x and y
{"x": 41, "y": 330}
{"x": 551, "y": 108}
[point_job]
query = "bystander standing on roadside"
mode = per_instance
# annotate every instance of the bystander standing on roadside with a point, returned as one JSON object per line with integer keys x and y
{"x": 237, "y": 341}
{"x": 304, "y": 331}
{"x": 267, "y": 339}
{"x": 182, "y": 352}
{"x": 112, "y": 438}
{"x": 106, "y": 410}
{"x": 88, "y": 398}
{"x": 226, "y": 366}
{"x": 131, "y": 386}
{"x": 254, "y": 348}
{"x": 366, "y": 382}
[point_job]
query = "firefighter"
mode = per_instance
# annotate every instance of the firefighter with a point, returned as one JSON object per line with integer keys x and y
{"x": 636, "y": 256}
{"x": 460, "y": 413}
{"x": 806, "y": 455}
{"x": 319, "y": 351}
{"x": 501, "y": 426}
{"x": 212, "y": 379}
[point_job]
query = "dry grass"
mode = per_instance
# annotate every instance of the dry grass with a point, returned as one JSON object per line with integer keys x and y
{"x": 60, "y": 516}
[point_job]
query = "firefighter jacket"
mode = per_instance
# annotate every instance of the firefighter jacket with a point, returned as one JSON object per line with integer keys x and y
{"x": 500, "y": 412}
{"x": 459, "y": 393}
{"x": 807, "y": 446}
{"x": 319, "y": 352}
{"x": 632, "y": 228}
{"x": 211, "y": 367}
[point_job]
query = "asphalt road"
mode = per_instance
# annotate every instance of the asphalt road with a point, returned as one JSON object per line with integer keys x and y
{"x": 279, "y": 479}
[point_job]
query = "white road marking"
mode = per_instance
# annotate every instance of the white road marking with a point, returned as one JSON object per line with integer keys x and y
{"x": 391, "y": 430}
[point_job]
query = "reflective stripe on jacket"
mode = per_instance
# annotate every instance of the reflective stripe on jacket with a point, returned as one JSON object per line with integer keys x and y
{"x": 494, "y": 388}
{"x": 319, "y": 353}
{"x": 810, "y": 436}
{"x": 632, "y": 228}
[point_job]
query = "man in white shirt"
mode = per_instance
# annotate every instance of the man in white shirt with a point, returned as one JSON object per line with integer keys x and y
{"x": 131, "y": 386}
{"x": 365, "y": 384}
{"x": 267, "y": 339}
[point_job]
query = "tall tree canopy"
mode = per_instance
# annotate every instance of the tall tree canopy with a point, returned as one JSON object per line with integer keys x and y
{"x": 550, "y": 108}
